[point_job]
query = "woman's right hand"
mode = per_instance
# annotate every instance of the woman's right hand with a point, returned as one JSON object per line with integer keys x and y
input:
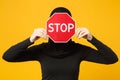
{"x": 38, "y": 33}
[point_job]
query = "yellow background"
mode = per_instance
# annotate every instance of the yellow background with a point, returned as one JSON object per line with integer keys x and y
{"x": 18, "y": 18}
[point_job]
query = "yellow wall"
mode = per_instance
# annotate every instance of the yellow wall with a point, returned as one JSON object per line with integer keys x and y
{"x": 18, "y": 18}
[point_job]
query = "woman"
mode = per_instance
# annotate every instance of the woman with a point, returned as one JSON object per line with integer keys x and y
{"x": 60, "y": 61}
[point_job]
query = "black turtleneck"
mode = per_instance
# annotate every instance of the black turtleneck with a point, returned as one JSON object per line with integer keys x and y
{"x": 60, "y": 61}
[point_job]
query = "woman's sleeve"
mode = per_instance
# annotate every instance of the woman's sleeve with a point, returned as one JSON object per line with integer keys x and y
{"x": 103, "y": 54}
{"x": 21, "y": 52}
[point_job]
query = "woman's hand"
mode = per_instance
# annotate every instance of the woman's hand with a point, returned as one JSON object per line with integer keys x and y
{"x": 38, "y": 33}
{"x": 83, "y": 32}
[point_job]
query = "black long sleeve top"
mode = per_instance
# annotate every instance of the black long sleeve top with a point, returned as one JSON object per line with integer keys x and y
{"x": 60, "y": 61}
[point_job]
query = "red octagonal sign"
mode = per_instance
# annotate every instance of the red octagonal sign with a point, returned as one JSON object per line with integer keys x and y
{"x": 60, "y": 27}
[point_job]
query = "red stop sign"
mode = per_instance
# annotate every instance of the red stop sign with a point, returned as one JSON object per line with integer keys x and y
{"x": 60, "y": 27}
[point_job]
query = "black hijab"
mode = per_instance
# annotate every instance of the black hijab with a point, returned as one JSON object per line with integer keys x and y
{"x": 60, "y": 50}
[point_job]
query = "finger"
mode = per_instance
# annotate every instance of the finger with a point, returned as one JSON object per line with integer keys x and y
{"x": 44, "y": 34}
{"x": 78, "y": 31}
{"x": 82, "y": 34}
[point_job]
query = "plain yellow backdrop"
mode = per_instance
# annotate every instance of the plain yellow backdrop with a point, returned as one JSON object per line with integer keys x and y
{"x": 18, "y": 18}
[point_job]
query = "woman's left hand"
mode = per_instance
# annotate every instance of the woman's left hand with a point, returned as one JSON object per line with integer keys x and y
{"x": 83, "y": 33}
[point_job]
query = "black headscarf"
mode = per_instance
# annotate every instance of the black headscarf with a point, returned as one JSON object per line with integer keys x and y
{"x": 60, "y": 10}
{"x": 60, "y": 50}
